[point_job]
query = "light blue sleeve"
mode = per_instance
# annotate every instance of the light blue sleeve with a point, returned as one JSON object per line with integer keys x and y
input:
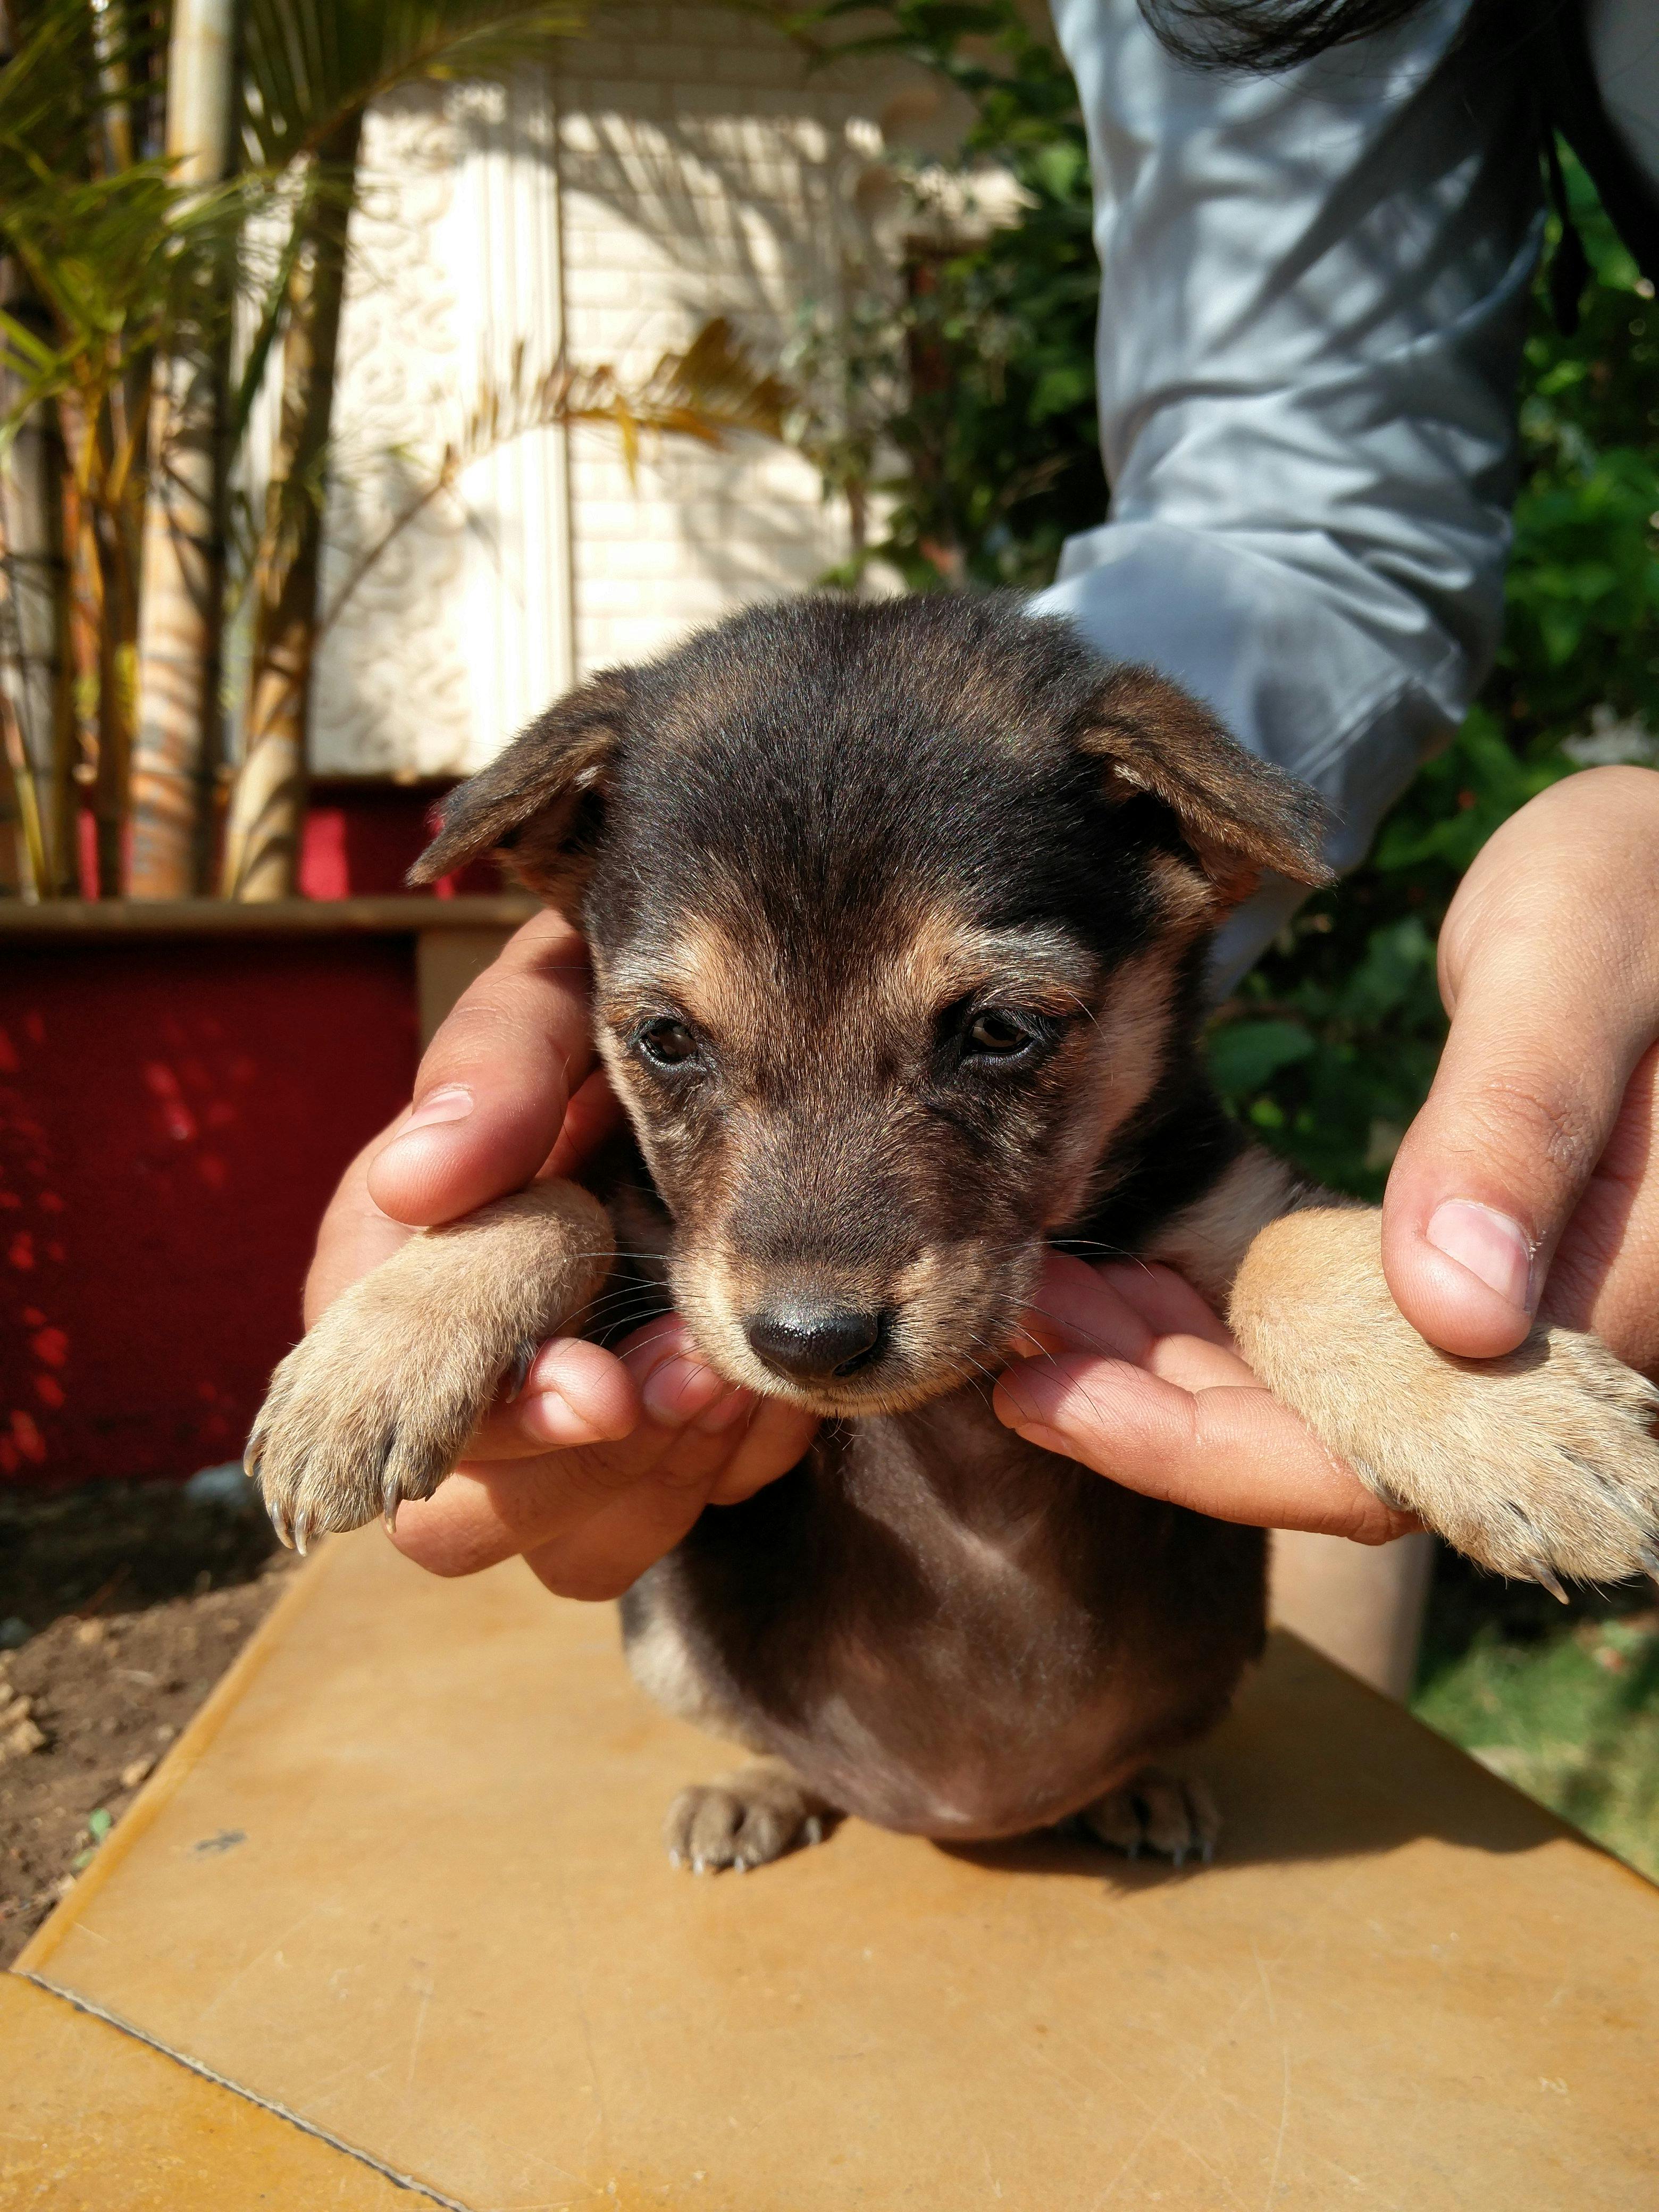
{"x": 1314, "y": 294}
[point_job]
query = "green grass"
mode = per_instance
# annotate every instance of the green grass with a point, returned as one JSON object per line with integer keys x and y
{"x": 1562, "y": 1701}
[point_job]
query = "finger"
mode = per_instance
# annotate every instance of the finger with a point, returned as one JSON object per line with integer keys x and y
{"x": 1165, "y": 1303}
{"x": 1606, "y": 1275}
{"x": 1127, "y": 1311}
{"x": 354, "y": 1235}
{"x": 607, "y": 1554}
{"x": 1074, "y": 1308}
{"x": 1555, "y": 998}
{"x": 501, "y": 1499}
{"x": 610, "y": 1553}
{"x": 493, "y": 1084}
{"x": 775, "y": 1437}
{"x": 574, "y": 1394}
{"x": 589, "y": 1119}
{"x": 1232, "y": 1452}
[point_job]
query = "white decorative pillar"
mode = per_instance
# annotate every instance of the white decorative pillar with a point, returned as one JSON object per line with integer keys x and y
{"x": 505, "y": 252}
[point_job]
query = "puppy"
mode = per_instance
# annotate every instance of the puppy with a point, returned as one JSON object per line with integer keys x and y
{"x": 899, "y": 914}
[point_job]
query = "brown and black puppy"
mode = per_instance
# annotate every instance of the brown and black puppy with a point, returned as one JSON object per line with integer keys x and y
{"x": 898, "y": 915}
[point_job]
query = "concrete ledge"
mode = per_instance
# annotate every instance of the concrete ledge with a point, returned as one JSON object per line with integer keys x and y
{"x": 82, "y": 918}
{"x": 404, "y": 1881}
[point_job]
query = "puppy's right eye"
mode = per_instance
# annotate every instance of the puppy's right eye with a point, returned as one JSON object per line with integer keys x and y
{"x": 666, "y": 1043}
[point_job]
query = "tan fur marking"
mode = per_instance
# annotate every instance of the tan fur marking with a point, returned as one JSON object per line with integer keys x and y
{"x": 662, "y": 1663}
{"x": 1119, "y": 1060}
{"x": 707, "y": 974}
{"x": 1208, "y": 1241}
{"x": 946, "y": 959}
{"x": 1544, "y": 1459}
{"x": 1189, "y": 899}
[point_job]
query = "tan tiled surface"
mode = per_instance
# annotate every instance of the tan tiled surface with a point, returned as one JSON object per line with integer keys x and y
{"x": 448, "y": 1936}
{"x": 93, "y": 2121}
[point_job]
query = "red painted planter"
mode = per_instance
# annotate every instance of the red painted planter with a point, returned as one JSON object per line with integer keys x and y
{"x": 175, "y": 1109}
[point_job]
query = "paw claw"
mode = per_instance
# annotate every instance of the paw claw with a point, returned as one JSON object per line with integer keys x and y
{"x": 1171, "y": 1815}
{"x": 302, "y": 1532}
{"x": 1547, "y": 1579}
{"x": 391, "y": 1498}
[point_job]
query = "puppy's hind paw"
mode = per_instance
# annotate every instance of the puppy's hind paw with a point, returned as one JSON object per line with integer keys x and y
{"x": 745, "y": 1820}
{"x": 1173, "y": 1815}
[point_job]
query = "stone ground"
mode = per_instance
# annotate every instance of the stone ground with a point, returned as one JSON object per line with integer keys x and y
{"x": 119, "y": 1609}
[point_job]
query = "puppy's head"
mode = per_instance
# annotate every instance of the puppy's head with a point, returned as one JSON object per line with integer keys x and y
{"x": 897, "y": 912}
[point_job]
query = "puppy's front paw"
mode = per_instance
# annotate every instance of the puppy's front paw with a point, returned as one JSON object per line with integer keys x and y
{"x": 1545, "y": 1464}
{"x": 1157, "y": 1811}
{"x": 372, "y": 1407}
{"x": 745, "y": 1819}
{"x": 375, "y": 1404}
{"x": 1538, "y": 1465}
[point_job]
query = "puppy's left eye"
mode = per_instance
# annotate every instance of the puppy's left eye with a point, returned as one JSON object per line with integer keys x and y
{"x": 666, "y": 1043}
{"x": 995, "y": 1034}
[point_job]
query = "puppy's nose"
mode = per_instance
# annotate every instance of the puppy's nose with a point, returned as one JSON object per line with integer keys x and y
{"x": 813, "y": 1343}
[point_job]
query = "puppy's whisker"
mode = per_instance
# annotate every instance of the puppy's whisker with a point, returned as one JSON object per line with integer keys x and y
{"x": 1094, "y": 1343}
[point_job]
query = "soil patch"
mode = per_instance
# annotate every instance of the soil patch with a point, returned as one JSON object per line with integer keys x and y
{"x": 120, "y": 1606}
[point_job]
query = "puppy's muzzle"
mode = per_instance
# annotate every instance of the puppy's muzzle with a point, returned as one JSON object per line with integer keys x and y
{"x": 815, "y": 1339}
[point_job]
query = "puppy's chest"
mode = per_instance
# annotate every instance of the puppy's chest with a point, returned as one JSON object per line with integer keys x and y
{"x": 969, "y": 1510}
{"x": 914, "y": 1620}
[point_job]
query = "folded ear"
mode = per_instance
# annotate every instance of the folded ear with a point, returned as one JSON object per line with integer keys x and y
{"x": 539, "y": 804}
{"x": 1239, "y": 814}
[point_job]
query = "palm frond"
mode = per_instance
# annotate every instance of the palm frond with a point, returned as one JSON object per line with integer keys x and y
{"x": 707, "y": 392}
{"x": 311, "y": 62}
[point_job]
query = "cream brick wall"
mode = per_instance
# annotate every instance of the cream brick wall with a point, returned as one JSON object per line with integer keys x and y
{"x": 680, "y": 163}
{"x": 703, "y": 171}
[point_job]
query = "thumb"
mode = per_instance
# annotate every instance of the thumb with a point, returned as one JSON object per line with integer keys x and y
{"x": 1548, "y": 1025}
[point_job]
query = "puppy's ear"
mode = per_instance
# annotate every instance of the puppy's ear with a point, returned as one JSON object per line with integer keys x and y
{"x": 539, "y": 804}
{"x": 1240, "y": 815}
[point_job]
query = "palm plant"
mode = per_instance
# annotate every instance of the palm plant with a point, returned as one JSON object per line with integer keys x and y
{"x": 310, "y": 72}
{"x": 104, "y": 256}
{"x": 127, "y": 259}
{"x": 176, "y": 185}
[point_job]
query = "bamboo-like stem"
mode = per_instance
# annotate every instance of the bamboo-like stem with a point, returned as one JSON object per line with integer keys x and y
{"x": 34, "y": 674}
{"x": 83, "y": 607}
{"x": 267, "y": 813}
{"x": 176, "y": 741}
{"x": 37, "y": 866}
{"x": 116, "y": 641}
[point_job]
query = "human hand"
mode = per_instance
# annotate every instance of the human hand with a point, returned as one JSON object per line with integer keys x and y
{"x": 601, "y": 1462}
{"x": 1529, "y": 1182}
{"x": 1136, "y": 1377}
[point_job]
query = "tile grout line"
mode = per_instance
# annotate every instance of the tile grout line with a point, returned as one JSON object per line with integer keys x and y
{"x": 248, "y": 2096}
